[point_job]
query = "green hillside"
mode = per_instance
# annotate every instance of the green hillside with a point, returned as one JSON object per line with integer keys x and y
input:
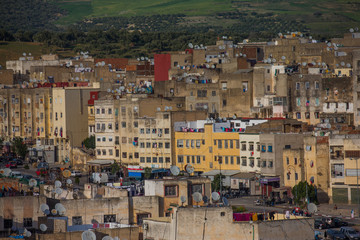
{"x": 324, "y": 16}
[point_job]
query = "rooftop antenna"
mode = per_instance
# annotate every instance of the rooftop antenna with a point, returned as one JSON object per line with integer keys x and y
{"x": 189, "y": 169}
{"x": 107, "y": 238}
{"x": 88, "y": 235}
{"x": 58, "y": 191}
{"x": 32, "y": 182}
{"x": 312, "y": 208}
{"x": 58, "y": 184}
{"x": 197, "y": 197}
{"x": 43, "y": 227}
{"x": 44, "y": 208}
{"x": 215, "y": 196}
{"x": 175, "y": 170}
{"x": 183, "y": 200}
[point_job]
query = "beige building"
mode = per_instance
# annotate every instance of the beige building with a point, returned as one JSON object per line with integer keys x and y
{"x": 249, "y": 152}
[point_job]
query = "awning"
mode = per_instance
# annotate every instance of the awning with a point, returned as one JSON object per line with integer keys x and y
{"x": 159, "y": 170}
{"x": 100, "y": 162}
{"x": 270, "y": 179}
{"x": 244, "y": 175}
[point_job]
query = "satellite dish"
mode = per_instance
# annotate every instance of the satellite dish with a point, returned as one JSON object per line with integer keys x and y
{"x": 337, "y": 65}
{"x": 7, "y": 172}
{"x": 109, "y": 90}
{"x": 175, "y": 170}
{"x": 183, "y": 199}
{"x": 191, "y": 45}
{"x": 47, "y": 212}
{"x": 66, "y": 173}
{"x": 58, "y": 206}
{"x": 142, "y": 58}
{"x": 54, "y": 211}
{"x": 342, "y": 64}
{"x": 205, "y": 199}
{"x": 43, "y": 227}
{"x": 27, "y": 233}
{"x": 244, "y": 55}
{"x": 32, "y": 182}
{"x": 107, "y": 238}
{"x": 197, "y": 197}
{"x": 273, "y": 60}
{"x": 88, "y": 235}
{"x": 225, "y": 201}
{"x": 215, "y": 196}
{"x": 329, "y": 44}
{"x": 138, "y": 59}
{"x": 283, "y": 57}
{"x": 312, "y": 208}
{"x": 304, "y": 64}
{"x": 348, "y": 65}
{"x": 189, "y": 168}
{"x": 24, "y": 54}
{"x": 351, "y": 30}
{"x": 58, "y": 191}
{"x": 58, "y": 184}
{"x": 116, "y": 238}
{"x": 44, "y": 207}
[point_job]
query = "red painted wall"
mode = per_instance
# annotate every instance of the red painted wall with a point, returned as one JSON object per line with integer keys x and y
{"x": 162, "y": 64}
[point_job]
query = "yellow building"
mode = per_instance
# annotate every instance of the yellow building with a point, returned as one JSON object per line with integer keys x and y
{"x": 293, "y": 162}
{"x": 204, "y": 148}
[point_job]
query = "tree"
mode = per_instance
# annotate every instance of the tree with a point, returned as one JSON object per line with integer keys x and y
{"x": 299, "y": 192}
{"x": 19, "y": 147}
{"x": 215, "y": 185}
{"x": 147, "y": 173}
{"x": 115, "y": 168}
{"x": 90, "y": 142}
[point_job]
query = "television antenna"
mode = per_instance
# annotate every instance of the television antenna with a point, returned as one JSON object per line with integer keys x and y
{"x": 107, "y": 238}
{"x": 88, "y": 235}
{"x": 197, "y": 197}
{"x": 43, "y": 227}
{"x": 32, "y": 182}
{"x": 58, "y": 191}
{"x": 312, "y": 208}
{"x": 175, "y": 170}
{"x": 215, "y": 196}
{"x": 58, "y": 184}
{"x": 44, "y": 208}
{"x": 183, "y": 199}
{"x": 66, "y": 173}
{"x": 189, "y": 169}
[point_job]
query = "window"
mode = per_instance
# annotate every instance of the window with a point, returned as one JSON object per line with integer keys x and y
{"x": 99, "y": 152}
{"x": 110, "y": 152}
{"x": 231, "y": 160}
{"x": 295, "y": 161}
{"x": 154, "y": 159}
{"x": 251, "y": 163}
{"x": 136, "y": 155}
{"x": 287, "y": 161}
{"x": 231, "y": 144}
{"x": 297, "y": 86}
{"x": 307, "y": 85}
{"x": 104, "y": 152}
{"x": 142, "y": 145}
{"x": 224, "y": 102}
{"x": 171, "y": 191}
{"x": 109, "y": 111}
{"x": 180, "y": 159}
{"x": 298, "y": 102}
{"x": 251, "y": 147}
{"x": 154, "y": 130}
{"x": 187, "y": 143}
{"x": 198, "y": 159}
{"x": 28, "y": 222}
{"x": 142, "y": 131}
{"x": 110, "y": 139}
{"x": 124, "y": 155}
{"x": 243, "y": 162}
{"x": 213, "y": 93}
{"x": 166, "y": 131}
{"x": 148, "y": 131}
{"x": 110, "y": 126}
{"x": 296, "y": 176}
{"x": 192, "y": 159}
{"x": 226, "y": 144}
{"x": 243, "y": 147}
{"x": 148, "y": 145}
{"x": 98, "y": 111}
{"x": 263, "y": 148}
{"x": 226, "y": 160}
{"x": 264, "y": 163}
{"x": 8, "y": 223}
{"x": 180, "y": 143}
{"x": 103, "y": 111}
{"x": 109, "y": 218}
{"x": 198, "y": 143}
{"x": 123, "y": 139}
{"x": 142, "y": 159}
{"x": 258, "y": 147}
{"x": 187, "y": 159}
{"x": 288, "y": 176}
{"x": 268, "y": 88}
{"x": 307, "y": 115}
{"x": 202, "y": 93}
{"x": 317, "y": 115}
{"x": 317, "y": 102}
{"x": 298, "y": 115}
{"x": 317, "y": 85}
{"x": 77, "y": 220}
{"x": 98, "y": 139}
{"x": 148, "y": 159}
{"x": 136, "y": 124}
{"x": 167, "y": 145}
{"x": 123, "y": 124}
{"x": 224, "y": 85}
{"x": 166, "y": 116}
{"x": 237, "y": 144}
{"x": 219, "y": 144}
{"x": 167, "y": 159}
{"x": 161, "y": 159}
{"x": 238, "y": 160}
{"x": 271, "y": 164}
{"x": 117, "y": 140}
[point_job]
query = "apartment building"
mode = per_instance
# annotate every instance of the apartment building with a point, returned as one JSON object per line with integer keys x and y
{"x": 250, "y": 152}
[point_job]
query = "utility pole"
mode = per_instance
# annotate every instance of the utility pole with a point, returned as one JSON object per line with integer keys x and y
{"x": 220, "y": 162}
